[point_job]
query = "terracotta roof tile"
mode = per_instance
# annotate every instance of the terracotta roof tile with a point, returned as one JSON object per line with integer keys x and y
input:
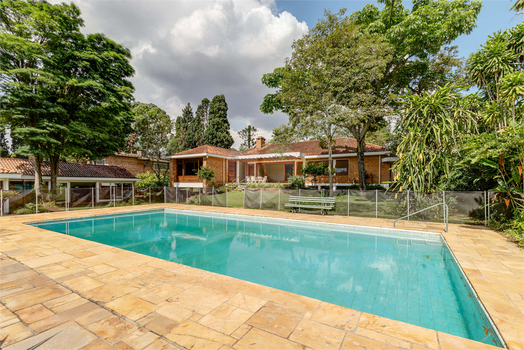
{"x": 26, "y": 167}
{"x": 312, "y": 148}
{"x": 209, "y": 149}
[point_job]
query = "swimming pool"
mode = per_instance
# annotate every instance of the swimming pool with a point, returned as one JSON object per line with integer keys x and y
{"x": 402, "y": 275}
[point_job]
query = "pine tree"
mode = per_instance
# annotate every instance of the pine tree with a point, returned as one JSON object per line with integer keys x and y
{"x": 188, "y": 139}
{"x": 248, "y": 135}
{"x": 199, "y": 122}
{"x": 217, "y": 132}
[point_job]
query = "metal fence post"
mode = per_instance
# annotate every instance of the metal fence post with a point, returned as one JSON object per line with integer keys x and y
{"x": 165, "y": 195}
{"x": 149, "y": 194}
{"x": 279, "y": 198}
{"x": 92, "y": 198}
{"x": 199, "y": 191}
{"x": 489, "y": 206}
{"x": 68, "y": 198}
{"x": 408, "y": 205}
{"x": 348, "y": 201}
{"x": 114, "y": 196}
{"x": 226, "y": 197}
{"x": 261, "y": 198}
{"x": 133, "y": 195}
{"x": 244, "y": 202}
{"x": 187, "y": 195}
{"x": 485, "y": 209}
{"x": 1, "y": 202}
{"x": 376, "y": 204}
{"x": 176, "y": 194}
{"x": 444, "y": 202}
{"x": 36, "y": 192}
{"x": 213, "y": 196}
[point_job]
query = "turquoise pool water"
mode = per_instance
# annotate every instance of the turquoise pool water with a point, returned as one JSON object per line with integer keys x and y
{"x": 402, "y": 275}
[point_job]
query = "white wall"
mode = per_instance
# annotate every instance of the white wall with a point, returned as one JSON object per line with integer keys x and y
{"x": 275, "y": 172}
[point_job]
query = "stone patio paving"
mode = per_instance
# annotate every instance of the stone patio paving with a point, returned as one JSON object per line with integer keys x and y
{"x": 64, "y": 292}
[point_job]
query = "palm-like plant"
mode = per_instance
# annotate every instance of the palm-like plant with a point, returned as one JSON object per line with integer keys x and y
{"x": 512, "y": 89}
{"x": 518, "y": 6}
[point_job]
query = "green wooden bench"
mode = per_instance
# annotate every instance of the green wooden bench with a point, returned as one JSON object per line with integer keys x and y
{"x": 322, "y": 203}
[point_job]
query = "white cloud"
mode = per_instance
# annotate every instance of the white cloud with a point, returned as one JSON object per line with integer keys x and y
{"x": 184, "y": 51}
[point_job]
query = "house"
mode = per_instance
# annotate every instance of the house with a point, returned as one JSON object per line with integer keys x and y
{"x": 133, "y": 162}
{"x": 19, "y": 174}
{"x": 278, "y": 164}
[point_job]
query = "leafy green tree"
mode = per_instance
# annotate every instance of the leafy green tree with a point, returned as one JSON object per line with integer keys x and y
{"x": 70, "y": 97}
{"x": 217, "y": 132}
{"x": 184, "y": 136}
{"x": 207, "y": 174}
{"x": 149, "y": 179}
{"x": 282, "y": 134}
{"x": 432, "y": 125}
{"x": 247, "y": 134}
{"x": 328, "y": 82}
{"x": 518, "y": 6}
{"x": 494, "y": 70}
{"x": 153, "y": 128}
{"x": 200, "y": 122}
{"x": 315, "y": 169}
{"x": 415, "y": 36}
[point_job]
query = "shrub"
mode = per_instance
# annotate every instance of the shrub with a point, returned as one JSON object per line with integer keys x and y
{"x": 206, "y": 173}
{"x": 314, "y": 169}
{"x": 296, "y": 182}
{"x": 150, "y": 180}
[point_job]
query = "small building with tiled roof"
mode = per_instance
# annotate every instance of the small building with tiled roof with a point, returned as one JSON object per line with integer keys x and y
{"x": 277, "y": 162}
{"x": 19, "y": 174}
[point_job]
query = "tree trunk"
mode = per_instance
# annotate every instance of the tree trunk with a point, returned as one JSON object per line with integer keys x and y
{"x": 361, "y": 145}
{"x": 38, "y": 172}
{"x": 54, "y": 162}
{"x": 330, "y": 166}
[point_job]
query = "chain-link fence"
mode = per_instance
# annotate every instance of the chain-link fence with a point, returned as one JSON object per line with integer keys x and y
{"x": 464, "y": 207}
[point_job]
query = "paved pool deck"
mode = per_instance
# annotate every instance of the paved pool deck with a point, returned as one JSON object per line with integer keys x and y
{"x": 64, "y": 292}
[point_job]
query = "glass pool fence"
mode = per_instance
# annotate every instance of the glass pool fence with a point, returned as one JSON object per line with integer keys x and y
{"x": 473, "y": 207}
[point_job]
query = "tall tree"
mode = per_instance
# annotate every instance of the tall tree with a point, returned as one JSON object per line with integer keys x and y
{"x": 217, "y": 132}
{"x": 153, "y": 128}
{"x": 188, "y": 139}
{"x": 282, "y": 134}
{"x": 200, "y": 121}
{"x": 329, "y": 79}
{"x": 247, "y": 134}
{"x": 70, "y": 99}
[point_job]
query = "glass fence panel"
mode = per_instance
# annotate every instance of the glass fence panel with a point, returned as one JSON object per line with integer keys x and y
{"x": 53, "y": 200}
{"x": 466, "y": 207}
{"x": 252, "y": 198}
{"x": 157, "y": 194}
{"x": 18, "y": 202}
{"x": 362, "y": 203}
{"x": 219, "y": 197}
{"x": 392, "y": 205}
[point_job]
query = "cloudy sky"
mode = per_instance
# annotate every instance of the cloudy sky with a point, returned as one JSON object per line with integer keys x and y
{"x": 185, "y": 50}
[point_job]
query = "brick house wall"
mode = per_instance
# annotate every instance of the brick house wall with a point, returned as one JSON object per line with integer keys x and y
{"x": 133, "y": 165}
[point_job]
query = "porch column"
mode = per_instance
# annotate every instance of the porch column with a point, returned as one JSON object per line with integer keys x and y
{"x": 238, "y": 172}
{"x": 379, "y": 169}
{"x": 5, "y": 185}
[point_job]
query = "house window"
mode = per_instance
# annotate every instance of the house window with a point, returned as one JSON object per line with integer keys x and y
{"x": 288, "y": 170}
{"x": 342, "y": 166}
{"x": 180, "y": 168}
{"x": 251, "y": 170}
{"x": 300, "y": 165}
{"x": 191, "y": 168}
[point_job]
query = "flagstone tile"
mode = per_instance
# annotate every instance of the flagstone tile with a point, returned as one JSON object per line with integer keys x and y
{"x": 293, "y": 300}
{"x": 34, "y": 313}
{"x": 400, "y": 330}
{"x": 200, "y": 299}
{"x": 247, "y": 302}
{"x": 99, "y": 345}
{"x": 112, "y": 291}
{"x": 93, "y": 317}
{"x": 448, "y": 341}
{"x": 161, "y": 325}
{"x": 58, "y": 319}
{"x": 195, "y": 336}
{"x": 336, "y": 316}
{"x": 241, "y": 331}
{"x": 383, "y": 338}
{"x": 225, "y": 318}
{"x": 48, "y": 260}
{"x": 175, "y": 312}
{"x": 34, "y": 296}
{"x": 358, "y": 342}
{"x": 131, "y": 307}
{"x": 14, "y": 333}
{"x": 140, "y": 338}
{"x": 277, "y": 319}
{"x": 317, "y": 336}
{"x": 160, "y": 293}
{"x": 112, "y": 328}
{"x": 161, "y": 344}
{"x": 65, "y": 299}
{"x": 257, "y": 339}
{"x": 83, "y": 284}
